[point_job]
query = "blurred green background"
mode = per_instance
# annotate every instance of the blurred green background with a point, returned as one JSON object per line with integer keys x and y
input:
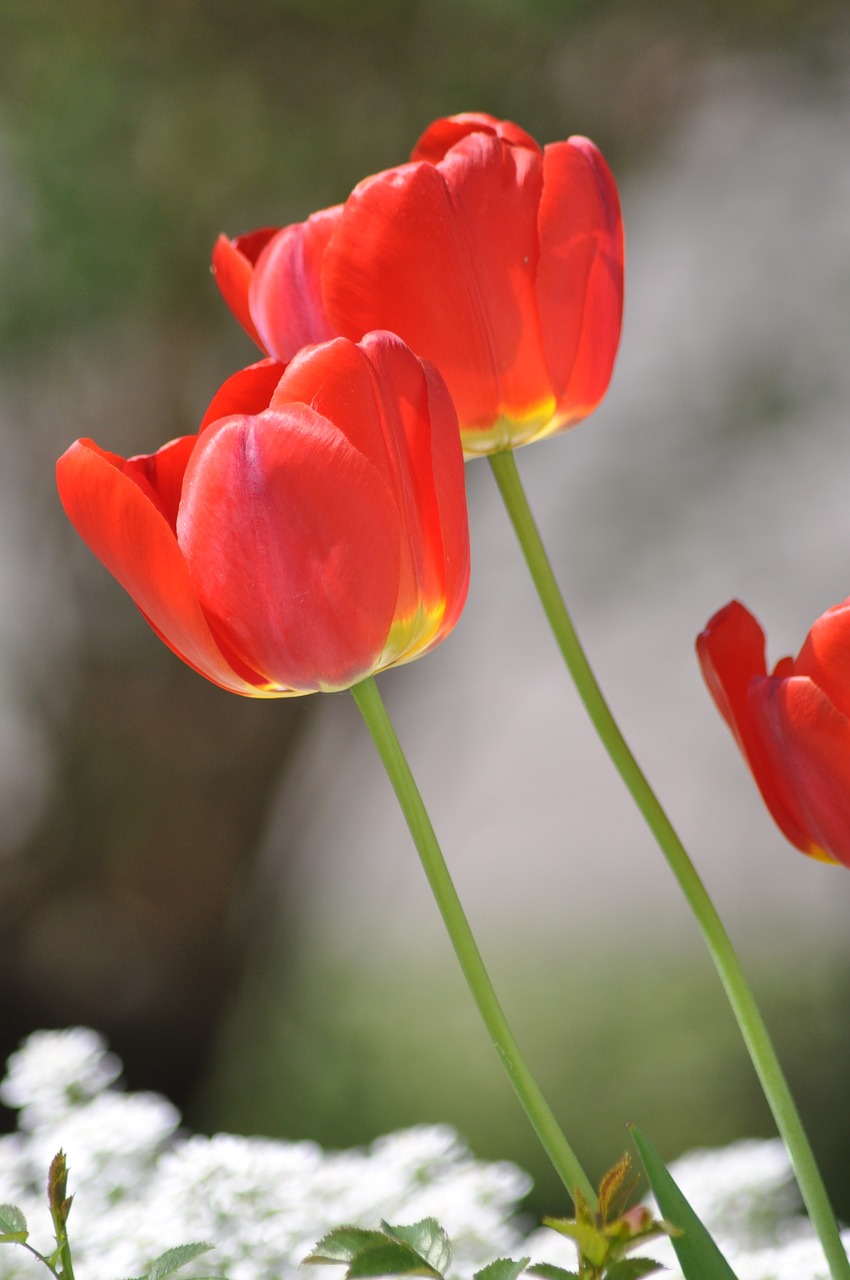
{"x": 138, "y": 891}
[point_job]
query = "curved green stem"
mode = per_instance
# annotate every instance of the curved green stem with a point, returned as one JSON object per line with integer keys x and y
{"x": 726, "y": 962}
{"x": 557, "y": 1148}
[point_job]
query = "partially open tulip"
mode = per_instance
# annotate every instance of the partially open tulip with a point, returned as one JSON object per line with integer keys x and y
{"x": 793, "y": 726}
{"x": 498, "y": 260}
{"x": 313, "y": 532}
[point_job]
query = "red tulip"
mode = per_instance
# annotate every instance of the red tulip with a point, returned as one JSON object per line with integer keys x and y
{"x": 499, "y": 261}
{"x": 793, "y": 726}
{"x": 314, "y": 530}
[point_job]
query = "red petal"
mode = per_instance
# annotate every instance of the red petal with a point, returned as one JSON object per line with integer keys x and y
{"x": 233, "y": 267}
{"x": 402, "y": 391}
{"x": 336, "y": 381}
{"x": 445, "y": 257}
{"x": 381, "y": 398}
{"x": 731, "y": 651}
{"x": 580, "y": 276}
{"x": 285, "y": 296}
{"x": 442, "y": 135}
{"x": 124, "y": 528}
{"x": 450, "y": 487}
{"x": 825, "y": 656}
{"x": 806, "y": 745}
{"x": 248, "y": 391}
{"x": 292, "y": 540}
{"x": 160, "y": 474}
{"x": 428, "y": 419}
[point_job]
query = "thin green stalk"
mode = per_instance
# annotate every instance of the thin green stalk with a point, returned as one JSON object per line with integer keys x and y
{"x": 60, "y": 1207}
{"x": 546, "y": 1127}
{"x": 726, "y": 962}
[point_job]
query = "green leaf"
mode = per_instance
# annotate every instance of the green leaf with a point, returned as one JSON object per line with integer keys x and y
{"x": 173, "y": 1259}
{"x": 502, "y": 1269}
{"x": 12, "y": 1220}
{"x": 699, "y": 1256}
{"x": 343, "y": 1244}
{"x": 550, "y": 1272}
{"x": 13, "y": 1225}
{"x": 590, "y": 1241}
{"x": 389, "y": 1259}
{"x": 427, "y": 1238}
{"x": 632, "y": 1269}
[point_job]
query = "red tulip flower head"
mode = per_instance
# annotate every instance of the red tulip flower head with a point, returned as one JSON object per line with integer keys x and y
{"x": 498, "y": 260}
{"x": 313, "y": 532}
{"x": 793, "y": 726}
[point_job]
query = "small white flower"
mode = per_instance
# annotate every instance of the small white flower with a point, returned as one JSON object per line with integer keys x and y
{"x": 53, "y": 1071}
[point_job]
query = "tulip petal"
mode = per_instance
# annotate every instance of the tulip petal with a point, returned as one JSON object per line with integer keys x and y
{"x": 233, "y": 267}
{"x": 731, "y": 652}
{"x": 160, "y": 475}
{"x": 805, "y": 743}
{"x": 445, "y": 257}
{"x": 335, "y": 380}
{"x": 292, "y": 540}
{"x": 825, "y": 656}
{"x": 402, "y": 418}
{"x": 248, "y": 391}
{"x": 427, "y": 417}
{"x": 110, "y": 504}
{"x": 442, "y": 135}
{"x": 413, "y": 436}
{"x": 580, "y": 277}
{"x": 285, "y": 296}
{"x": 450, "y": 488}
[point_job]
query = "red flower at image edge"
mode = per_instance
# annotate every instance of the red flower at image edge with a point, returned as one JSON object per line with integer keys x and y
{"x": 313, "y": 532}
{"x": 793, "y": 726}
{"x": 498, "y": 260}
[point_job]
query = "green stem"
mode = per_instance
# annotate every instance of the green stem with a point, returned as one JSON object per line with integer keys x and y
{"x": 557, "y": 1148}
{"x": 728, "y": 966}
{"x": 35, "y": 1253}
{"x": 63, "y": 1249}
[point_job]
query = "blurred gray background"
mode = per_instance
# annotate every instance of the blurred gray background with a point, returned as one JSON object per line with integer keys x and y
{"x": 225, "y": 887}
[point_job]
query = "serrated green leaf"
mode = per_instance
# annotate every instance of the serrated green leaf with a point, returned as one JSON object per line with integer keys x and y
{"x": 699, "y": 1256}
{"x": 12, "y": 1220}
{"x": 549, "y": 1271}
{"x": 632, "y": 1269}
{"x": 389, "y": 1259}
{"x": 502, "y": 1269}
{"x": 13, "y": 1225}
{"x": 342, "y": 1244}
{"x": 427, "y": 1238}
{"x": 173, "y": 1259}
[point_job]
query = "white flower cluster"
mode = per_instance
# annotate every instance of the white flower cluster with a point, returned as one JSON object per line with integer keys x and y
{"x": 141, "y": 1186}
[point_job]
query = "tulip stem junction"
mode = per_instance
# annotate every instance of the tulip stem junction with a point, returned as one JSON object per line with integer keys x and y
{"x": 525, "y": 1086}
{"x": 726, "y": 962}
